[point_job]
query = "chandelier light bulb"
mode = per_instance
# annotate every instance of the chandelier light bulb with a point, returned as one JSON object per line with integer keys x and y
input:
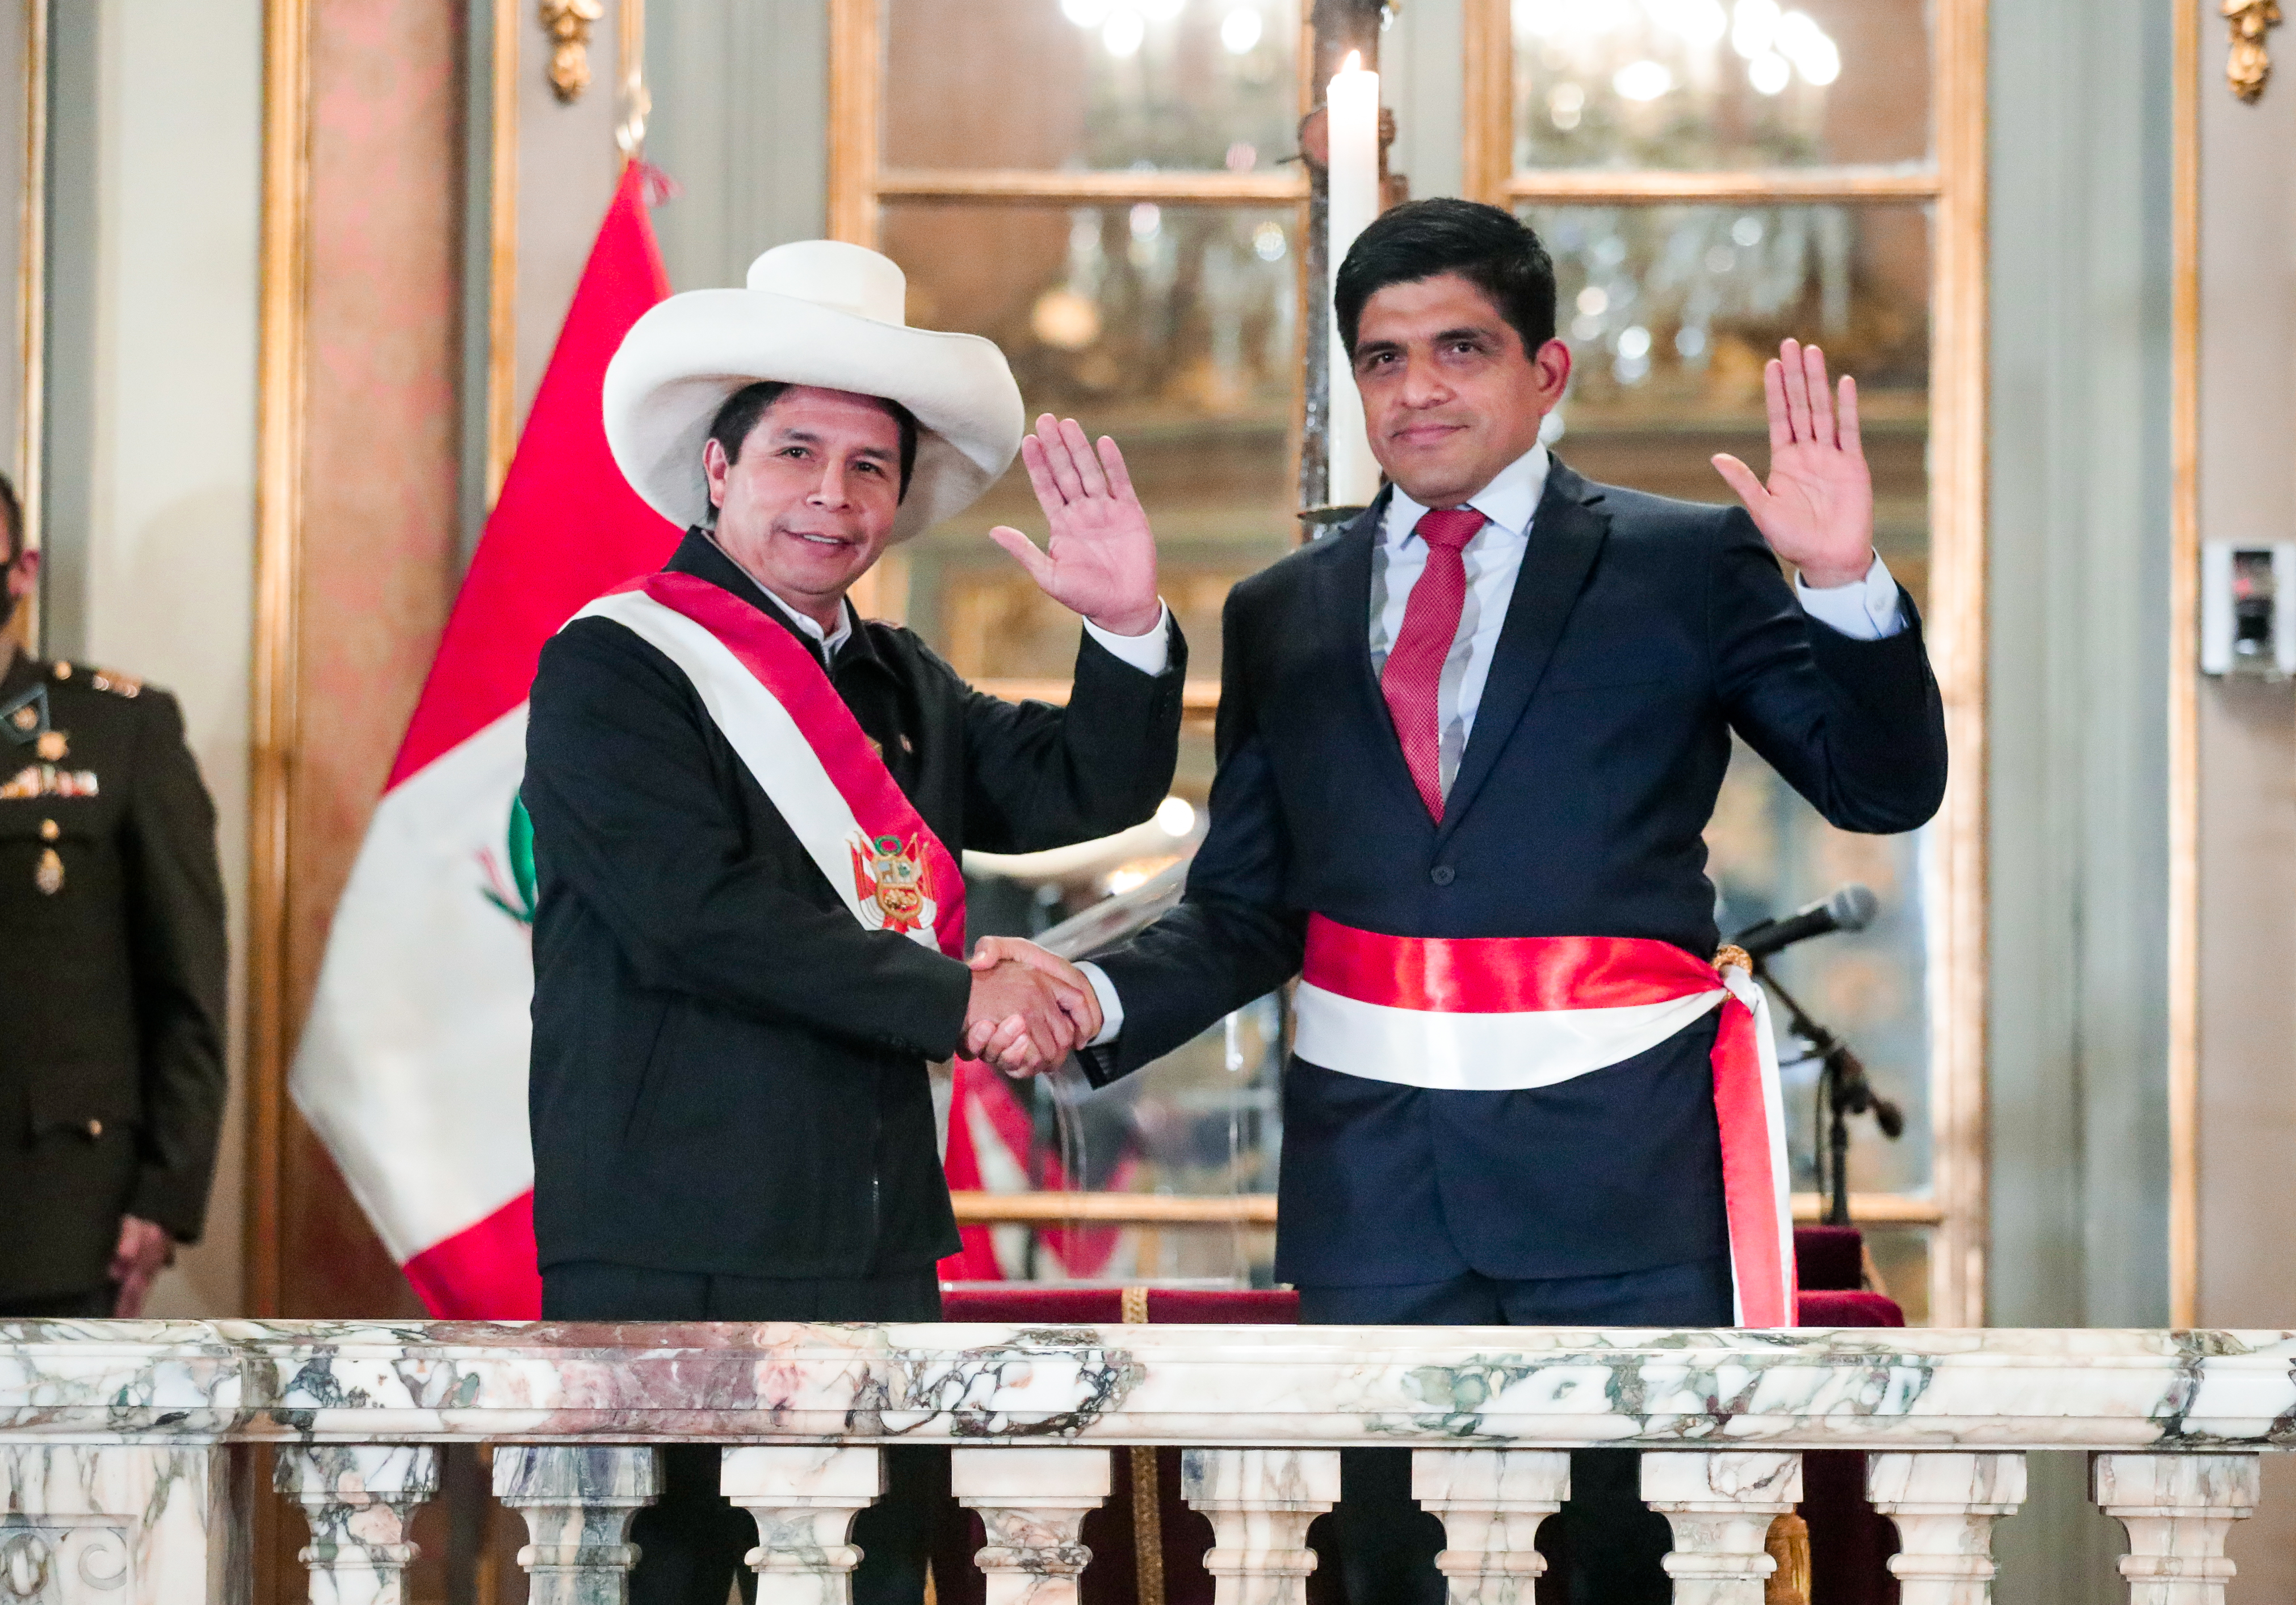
{"x": 1123, "y": 34}
{"x": 1239, "y": 30}
{"x": 1644, "y": 80}
{"x": 1769, "y": 72}
{"x": 1754, "y": 27}
{"x": 1085, "y": 14}
{"x": 1801, "y": 41}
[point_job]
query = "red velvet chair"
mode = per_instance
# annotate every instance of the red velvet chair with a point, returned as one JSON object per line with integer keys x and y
{"x": 1850, "y": 1543}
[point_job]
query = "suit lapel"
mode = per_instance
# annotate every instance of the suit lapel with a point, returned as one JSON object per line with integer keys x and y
{"x": 1343, "y": 617}
{"x": 1566, "y": 533}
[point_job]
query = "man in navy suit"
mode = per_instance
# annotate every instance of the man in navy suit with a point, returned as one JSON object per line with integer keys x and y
{"x": 1499, "y": 705}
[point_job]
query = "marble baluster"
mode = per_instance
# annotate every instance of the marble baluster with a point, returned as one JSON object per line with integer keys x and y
{"x": 120, "y": 1524}
{"x": 1720, "y": 1504}
{"x": 578, "y": 1500}
{"x": 1491, "y": 1501}
{"x": 1032, "y": 1504}
{"x": 359, "y": 1498}
{"x": 804, "y": 1498}
{"x": 2177, "y": 1510}
{"x": 1945, "y": 1506}
{"x": 1260, "y": 1502}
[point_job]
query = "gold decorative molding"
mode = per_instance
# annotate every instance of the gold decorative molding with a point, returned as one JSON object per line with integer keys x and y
{"x": 1117, "y": 1209}
{"x": 857, "y": 70}
{"x": 568, "y": 22}
{"x": 1052, "y": 187}
{"x": 32, "y": 298}
{"x": 637, "y": 100}
{"x": 2184, "y": 939}
{"x": 283, "y": 301}
{"x": 1599, "y": 187}
{"x": 1959, "y": 428}
{"x": 1487, "y": 129}
{"x": 502, "y": 256}
{"x": 2249, "y": 64}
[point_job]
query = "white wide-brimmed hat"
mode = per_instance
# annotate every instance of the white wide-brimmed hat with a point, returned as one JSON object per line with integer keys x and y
{"x": 819, "y": 312}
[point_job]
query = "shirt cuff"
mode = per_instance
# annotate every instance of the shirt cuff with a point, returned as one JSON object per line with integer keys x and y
{"x": 1149, "y": 653}
{"x": 1112, "y": 1007}
{"x": 1864, "y": 610}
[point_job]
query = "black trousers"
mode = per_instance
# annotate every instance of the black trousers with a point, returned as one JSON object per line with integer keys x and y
{"x": 1608, "y": 1544}
{"x": 690, "y": 1541}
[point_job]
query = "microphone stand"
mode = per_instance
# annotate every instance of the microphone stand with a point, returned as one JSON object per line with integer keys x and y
{"x": 1846, "y": 1092}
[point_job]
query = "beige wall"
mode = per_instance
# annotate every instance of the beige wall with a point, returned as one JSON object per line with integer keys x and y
{"x": 163, "y": 430}
{"x": 567, "y": 165}
{"x": 2248, "y": 765}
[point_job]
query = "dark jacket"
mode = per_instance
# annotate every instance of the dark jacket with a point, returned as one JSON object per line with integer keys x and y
{"x": 1641, "y": 633}
{"x": 728, "y": 1072}
{"x": 111, "y": 973}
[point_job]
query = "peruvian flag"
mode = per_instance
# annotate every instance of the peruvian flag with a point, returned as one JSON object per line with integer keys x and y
{"x": 413, "y": 1067}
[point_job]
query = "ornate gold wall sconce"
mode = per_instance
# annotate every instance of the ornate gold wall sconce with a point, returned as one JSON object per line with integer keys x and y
{"x": 2250, "y": 64}
{"x": 568, "y": 23}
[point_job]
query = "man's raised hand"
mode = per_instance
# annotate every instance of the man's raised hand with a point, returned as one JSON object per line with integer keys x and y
{"x": 1101, "y": 559}
{"x": 1817, "y": 510}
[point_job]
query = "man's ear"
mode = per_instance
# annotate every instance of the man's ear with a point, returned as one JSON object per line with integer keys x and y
{"x": 715, "y": 466}
{"x": 1552, "y": 361}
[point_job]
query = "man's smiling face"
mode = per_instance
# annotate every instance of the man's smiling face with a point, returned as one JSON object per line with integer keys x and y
{"x": 1450, "y": 396}
{"x": 808, "y": 503}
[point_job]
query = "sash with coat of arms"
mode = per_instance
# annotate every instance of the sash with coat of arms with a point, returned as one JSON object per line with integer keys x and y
{"x": 803, "y": 746}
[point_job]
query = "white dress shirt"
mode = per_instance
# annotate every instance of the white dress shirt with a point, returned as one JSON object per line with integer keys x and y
{"x": 1149, "y": 653}
{"x": 1864, "y": 610}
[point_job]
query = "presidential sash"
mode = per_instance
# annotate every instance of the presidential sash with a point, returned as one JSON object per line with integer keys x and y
{"x": 1499, "y": 1014}
{"x": 800, "y": 743}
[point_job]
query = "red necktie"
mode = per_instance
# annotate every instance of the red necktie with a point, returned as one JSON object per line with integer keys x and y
{"x": 1414, "y": 674}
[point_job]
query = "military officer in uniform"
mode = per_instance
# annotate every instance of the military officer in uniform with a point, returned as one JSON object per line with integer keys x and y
{"x": 111, "y": 979}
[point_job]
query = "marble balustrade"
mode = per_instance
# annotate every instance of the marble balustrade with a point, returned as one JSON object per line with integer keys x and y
{"x": 116, "y": 1444}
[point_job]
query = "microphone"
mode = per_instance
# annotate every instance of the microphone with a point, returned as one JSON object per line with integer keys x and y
{"x": 1851, "y": 908}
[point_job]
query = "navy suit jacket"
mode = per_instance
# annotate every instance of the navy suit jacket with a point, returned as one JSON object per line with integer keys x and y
{"x": 1641, "y": 632}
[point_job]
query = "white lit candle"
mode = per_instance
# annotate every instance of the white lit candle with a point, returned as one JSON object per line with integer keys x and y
{"x": 1351, "y": 127}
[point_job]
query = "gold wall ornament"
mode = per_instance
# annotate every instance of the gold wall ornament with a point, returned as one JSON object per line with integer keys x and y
{"x": 568, "y": 23}
{"x": 2250, "y": 63}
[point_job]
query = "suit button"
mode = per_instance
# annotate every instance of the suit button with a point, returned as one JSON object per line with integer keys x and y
{"x": 94, "y": 1129}
{"x": 48, "y": 831}
{"x": 1442, "y": 875}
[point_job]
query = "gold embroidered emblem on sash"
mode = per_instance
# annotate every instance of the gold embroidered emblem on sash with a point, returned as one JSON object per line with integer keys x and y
{"x": 890, "y": 875}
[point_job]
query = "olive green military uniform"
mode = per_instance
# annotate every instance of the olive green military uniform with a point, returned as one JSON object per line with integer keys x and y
{"x": 111, "y": 978}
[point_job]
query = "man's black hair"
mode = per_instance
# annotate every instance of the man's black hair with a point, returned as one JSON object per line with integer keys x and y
{"x": 742, "y": 409}
{"x": 1493, "y": 249}
{"x": 15, "y": 512}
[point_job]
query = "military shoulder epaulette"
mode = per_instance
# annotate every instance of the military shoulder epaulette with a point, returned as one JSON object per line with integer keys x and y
{"x": 100, "y": 679}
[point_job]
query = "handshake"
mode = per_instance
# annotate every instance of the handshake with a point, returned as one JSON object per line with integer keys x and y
{"x": 1029, "y": 1010}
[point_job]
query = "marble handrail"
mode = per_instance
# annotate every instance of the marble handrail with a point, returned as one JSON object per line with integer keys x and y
{"x": 2133, "y": 1391}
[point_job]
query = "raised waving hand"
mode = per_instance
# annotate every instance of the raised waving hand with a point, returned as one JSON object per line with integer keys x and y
{"x": 1100, "y": 560}
{"x": 1817, "y": 510}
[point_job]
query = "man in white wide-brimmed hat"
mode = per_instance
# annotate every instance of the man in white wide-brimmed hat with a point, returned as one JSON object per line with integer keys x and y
{"x": 749, "y": 806}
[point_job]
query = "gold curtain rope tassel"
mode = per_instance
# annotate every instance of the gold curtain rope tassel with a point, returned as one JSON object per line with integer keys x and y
{"x": 1147, "y": 1496}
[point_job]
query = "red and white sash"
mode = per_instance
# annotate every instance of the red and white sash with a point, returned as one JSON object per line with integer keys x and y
{"x": 800, "y": 743}
{"x": 1497, "y": 1014}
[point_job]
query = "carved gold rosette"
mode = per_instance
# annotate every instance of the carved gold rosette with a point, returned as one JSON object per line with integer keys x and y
{"x": 568, "y": 23}
{"x": 2250, "y": 64}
